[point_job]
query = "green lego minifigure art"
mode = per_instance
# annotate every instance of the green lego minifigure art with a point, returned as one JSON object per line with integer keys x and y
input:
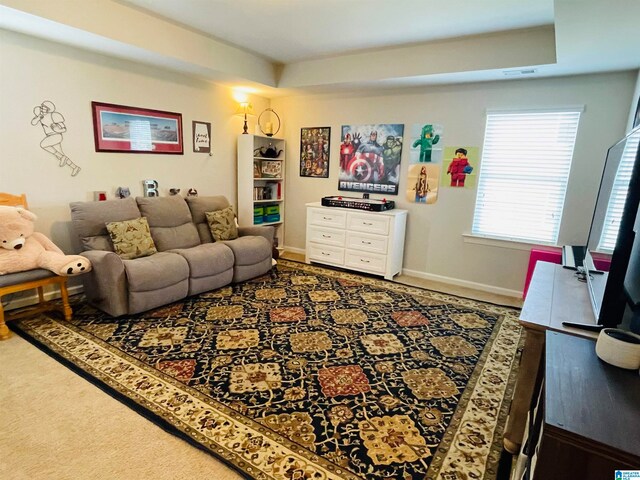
{"x": 426, "y": 141}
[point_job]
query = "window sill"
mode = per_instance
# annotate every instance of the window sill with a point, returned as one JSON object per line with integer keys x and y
{"x": 501, "y": 242}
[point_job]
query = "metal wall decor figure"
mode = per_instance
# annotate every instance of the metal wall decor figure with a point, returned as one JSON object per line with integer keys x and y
{"x": 52, "y": 123}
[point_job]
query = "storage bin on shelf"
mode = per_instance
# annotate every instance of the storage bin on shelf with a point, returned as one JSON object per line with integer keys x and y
{"x": 258, "y": 215}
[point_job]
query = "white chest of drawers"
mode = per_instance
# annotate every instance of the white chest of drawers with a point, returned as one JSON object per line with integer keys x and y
{"x": 371, "y": 242}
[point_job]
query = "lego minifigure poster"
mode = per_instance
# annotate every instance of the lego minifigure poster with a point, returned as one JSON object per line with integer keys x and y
{"x": 314, "y": 152}
{"x": 460, "y": 166}
{"x": 370, "y": 158}
{"x": 422, "y": 183}
{"x": 426, "y": 143}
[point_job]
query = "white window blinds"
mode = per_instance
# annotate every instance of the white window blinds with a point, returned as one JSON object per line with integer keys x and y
{"x": 618, "y": 195}
{"x": 526, "y": 160}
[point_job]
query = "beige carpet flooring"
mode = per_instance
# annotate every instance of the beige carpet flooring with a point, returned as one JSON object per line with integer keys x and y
{"x": 56, "y": 425}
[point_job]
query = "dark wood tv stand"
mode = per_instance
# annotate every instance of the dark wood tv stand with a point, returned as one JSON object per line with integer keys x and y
{"x": 589, "y": 415}
{"x": 555, "y": 295}
{"x": 589, "y": 411}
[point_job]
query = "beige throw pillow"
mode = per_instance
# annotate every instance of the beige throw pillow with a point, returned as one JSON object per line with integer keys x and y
{"x": 132, "y": 238}
{"x": 222, "y": 224}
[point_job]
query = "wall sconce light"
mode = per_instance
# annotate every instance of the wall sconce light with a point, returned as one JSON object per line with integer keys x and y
{"x": 245, "y": 108}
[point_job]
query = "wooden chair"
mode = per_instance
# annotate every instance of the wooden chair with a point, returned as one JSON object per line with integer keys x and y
{"x": 29, "y": 280}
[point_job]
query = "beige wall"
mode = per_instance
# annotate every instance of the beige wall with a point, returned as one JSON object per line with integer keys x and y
{"x": 34, "y": 70}
{"x": 435, "y": 246}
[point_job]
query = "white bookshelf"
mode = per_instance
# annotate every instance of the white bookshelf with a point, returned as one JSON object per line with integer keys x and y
{"x": 258, "y": 178}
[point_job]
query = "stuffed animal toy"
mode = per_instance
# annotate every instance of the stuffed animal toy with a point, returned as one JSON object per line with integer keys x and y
{"x": 23, "y": 249}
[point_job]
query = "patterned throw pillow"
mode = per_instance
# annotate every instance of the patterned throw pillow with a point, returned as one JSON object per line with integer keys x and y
{"x": 131, "y": 238}
{"x": 222, "y": 224}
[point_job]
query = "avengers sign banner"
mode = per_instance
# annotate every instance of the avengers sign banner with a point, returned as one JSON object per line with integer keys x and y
{"x": 370, "y": 158}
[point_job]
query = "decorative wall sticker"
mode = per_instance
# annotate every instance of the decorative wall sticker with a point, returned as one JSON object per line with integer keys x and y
{"x": 52, "y": 123}
{"x": 426, "y": 146}
{"x": 459, "y": 166}
{"x": 422, "y": 183}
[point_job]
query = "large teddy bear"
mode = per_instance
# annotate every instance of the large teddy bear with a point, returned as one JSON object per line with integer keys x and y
{"x": 23, "y": 249}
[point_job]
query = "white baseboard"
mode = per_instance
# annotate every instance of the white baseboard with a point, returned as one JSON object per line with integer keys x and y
{"x": 464, "y": 283}
{"x": 301, "y": 251}
{"x": 33, "y": 298}
{"x": 445, "y": 280}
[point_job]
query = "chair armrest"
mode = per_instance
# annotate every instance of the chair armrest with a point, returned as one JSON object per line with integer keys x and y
{"x": 258, "y": 231}
{"x": 106, "y": 284}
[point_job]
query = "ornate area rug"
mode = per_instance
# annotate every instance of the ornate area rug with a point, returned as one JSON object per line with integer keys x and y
{"x": 311, "y": 373}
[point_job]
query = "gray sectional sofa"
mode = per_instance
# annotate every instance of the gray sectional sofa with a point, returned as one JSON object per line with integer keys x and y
{"x": 188, "y": 260}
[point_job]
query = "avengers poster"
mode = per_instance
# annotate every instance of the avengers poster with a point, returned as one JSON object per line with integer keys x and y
{"x": 370, "y": 158}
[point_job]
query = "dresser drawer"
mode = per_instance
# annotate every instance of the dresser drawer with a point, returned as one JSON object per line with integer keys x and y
{"x": 326, "y": 253}
{"x": 327, "y": 218}
{"x": 370, "y": 262}
{"x": 368, "y": 223}
{"x": 367, "y": 243}
{"x": 327, "y": 236}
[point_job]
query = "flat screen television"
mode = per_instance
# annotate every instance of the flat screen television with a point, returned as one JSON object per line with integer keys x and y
{"x": 615, "y": 236}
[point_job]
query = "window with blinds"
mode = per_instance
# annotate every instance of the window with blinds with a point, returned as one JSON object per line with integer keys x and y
{"x": 526, "y": 161}
{"x": 618, "y": 195}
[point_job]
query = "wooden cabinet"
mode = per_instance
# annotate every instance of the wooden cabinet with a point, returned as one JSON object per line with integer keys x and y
{"x": 588, "y": 423}
{"x": 370, "y": 242}
{"x": 261, "y": 182}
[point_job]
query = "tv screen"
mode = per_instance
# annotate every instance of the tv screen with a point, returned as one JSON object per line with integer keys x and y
{"x": 612, "y": 234}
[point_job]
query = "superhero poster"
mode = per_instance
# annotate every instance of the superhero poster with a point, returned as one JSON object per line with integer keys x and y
{"x": 460, "y": 166}
{"x": 314, "y": 152}
{"x": 370, "y": 158}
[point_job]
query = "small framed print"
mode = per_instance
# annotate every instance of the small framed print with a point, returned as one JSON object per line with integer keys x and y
{"x": 314, "y": 151}
{"x": 119, "y": 128}
{"x": 201, "y": 137}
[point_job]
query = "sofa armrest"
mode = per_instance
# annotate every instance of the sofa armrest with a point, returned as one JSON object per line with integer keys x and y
{"x": 265, "y": 231}
{"x": 106, "y": 284}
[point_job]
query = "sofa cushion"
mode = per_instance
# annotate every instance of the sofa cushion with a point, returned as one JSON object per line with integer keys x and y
{"x": 156, "y": 271}
{"x": 222, "y": 224}
{"x": 207, "y": 259}
{"x": 131, "y": 238}
{"x": 170, "y": 222}
{"x": 249, "y": 250}
{"x": 90, "y": 219}
{"x": 199, "y": 206}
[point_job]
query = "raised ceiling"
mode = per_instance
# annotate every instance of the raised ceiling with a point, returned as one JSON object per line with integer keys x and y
{"x": 287, "y": 31}
{"x": 283, "y": 47}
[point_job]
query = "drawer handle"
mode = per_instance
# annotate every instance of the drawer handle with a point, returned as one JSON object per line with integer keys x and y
{"x": 326, "y": 236}
{"x": 365, "y": 261}
{"x": 327, "y": 218}
{"x": 366, "y": 243}
{"x": 367, "y": 223}
{"x": 326, "y": 254}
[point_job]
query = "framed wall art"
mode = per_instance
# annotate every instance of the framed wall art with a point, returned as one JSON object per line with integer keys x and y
{"x": 201, "y": 137}
{"x": 119, "y": 128}
{"x": 314, "y": 152}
